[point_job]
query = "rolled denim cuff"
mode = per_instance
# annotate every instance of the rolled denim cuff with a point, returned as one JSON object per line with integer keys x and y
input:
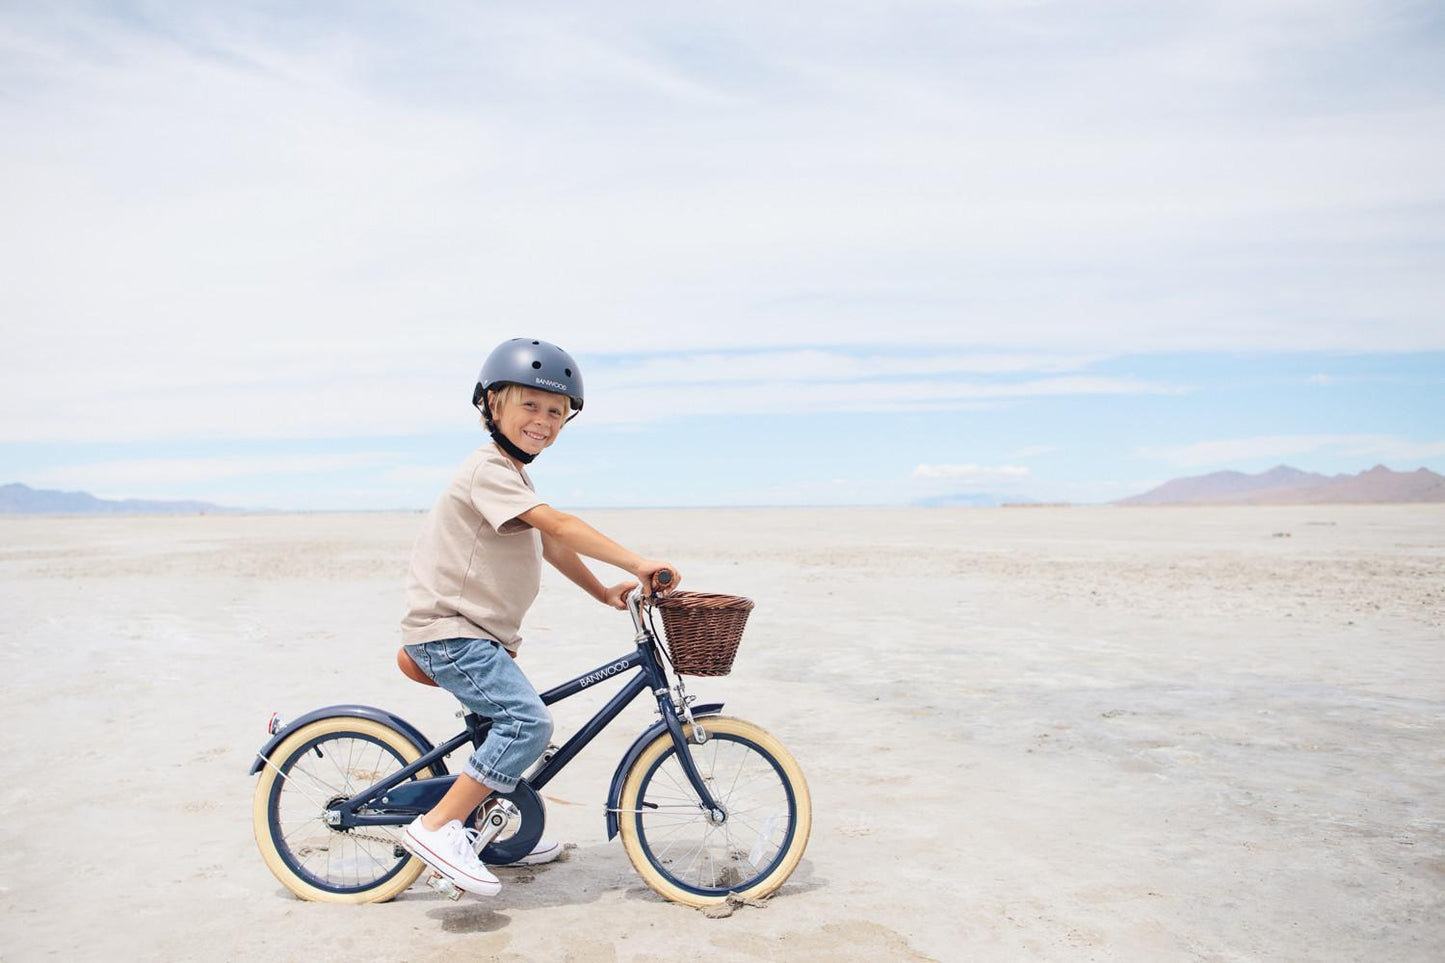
{"x": 490, "y": 778}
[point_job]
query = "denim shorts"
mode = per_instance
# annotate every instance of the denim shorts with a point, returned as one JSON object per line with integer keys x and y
{"x": 487, "y": 681}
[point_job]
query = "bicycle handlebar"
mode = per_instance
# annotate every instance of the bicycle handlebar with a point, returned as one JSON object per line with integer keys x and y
{"x": 637, "y": 596}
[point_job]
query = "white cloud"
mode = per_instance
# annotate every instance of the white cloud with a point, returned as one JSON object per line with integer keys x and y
{"x": 632, "y": 403}
{"x": 1032, "y": 451}
{"x": 345, "y": 395}
{"x": 224, "y": 225}
{"x": 827, "y": 364}
{"x": 432, "y": 476}
{"x": 1273, "y": 447}
{"x": 151, "y": 473}
{"x": 834, "y": 492}
{"x": 970, "y": 472}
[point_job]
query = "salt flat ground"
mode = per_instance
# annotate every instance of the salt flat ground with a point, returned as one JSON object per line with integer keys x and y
{"x": 1031, "y": 734}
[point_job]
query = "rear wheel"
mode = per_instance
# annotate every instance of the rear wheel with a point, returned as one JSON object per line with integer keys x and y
{"x": 680, "y": 852}
{"x": 313, "y": 768}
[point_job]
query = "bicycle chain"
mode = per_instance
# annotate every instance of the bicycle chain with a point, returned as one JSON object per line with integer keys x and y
{"x": 370, "y": 838}
{"x": 354, "y": 834}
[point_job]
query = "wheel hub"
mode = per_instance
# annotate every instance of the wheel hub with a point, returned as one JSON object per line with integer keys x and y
{"x": 333, "y": 813}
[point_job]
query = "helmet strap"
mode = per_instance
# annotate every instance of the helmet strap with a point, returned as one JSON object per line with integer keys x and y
{"x": 506, "y": 445}
{"x": 503, "y": 442}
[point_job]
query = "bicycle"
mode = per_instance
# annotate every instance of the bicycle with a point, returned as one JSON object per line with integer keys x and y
{"x": 707, "y": 805}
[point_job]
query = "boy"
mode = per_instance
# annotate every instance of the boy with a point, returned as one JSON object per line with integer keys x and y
{"x": 475, "y": 571}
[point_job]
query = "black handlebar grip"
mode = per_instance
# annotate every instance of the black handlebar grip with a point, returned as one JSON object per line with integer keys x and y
{"x": 663, "y": 576}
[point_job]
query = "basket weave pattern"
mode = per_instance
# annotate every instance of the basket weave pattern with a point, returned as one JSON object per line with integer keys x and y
{"x": 702, "y": 630}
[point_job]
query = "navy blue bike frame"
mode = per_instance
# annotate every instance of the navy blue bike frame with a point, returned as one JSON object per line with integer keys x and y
{"x": 649, "y": 675}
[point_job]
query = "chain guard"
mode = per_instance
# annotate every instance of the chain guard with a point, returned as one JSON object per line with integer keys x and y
{"x": 500, "y": 852}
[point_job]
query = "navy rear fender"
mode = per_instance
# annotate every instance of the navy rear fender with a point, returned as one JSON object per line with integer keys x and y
{"x": 411, "y": 732}
{"x": 614, "y": 795}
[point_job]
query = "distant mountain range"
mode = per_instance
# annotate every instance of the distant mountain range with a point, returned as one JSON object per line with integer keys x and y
{"x": 17, "y": 499}
{"x": 1281, "y": 485}
{"x": 1284, "y": 485}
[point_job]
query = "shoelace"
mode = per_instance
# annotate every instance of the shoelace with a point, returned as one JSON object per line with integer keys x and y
{"x": 468, "y": 842}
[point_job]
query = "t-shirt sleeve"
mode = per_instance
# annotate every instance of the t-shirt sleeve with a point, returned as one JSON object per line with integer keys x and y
{"x": 500, "y": 495}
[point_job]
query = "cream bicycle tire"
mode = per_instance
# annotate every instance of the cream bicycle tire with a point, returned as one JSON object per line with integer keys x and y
{"x": 655, "y": 819}
{"x": 272, "y": 839}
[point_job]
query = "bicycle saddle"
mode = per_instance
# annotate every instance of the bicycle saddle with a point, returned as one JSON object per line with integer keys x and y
{"x": 410, "y": 669}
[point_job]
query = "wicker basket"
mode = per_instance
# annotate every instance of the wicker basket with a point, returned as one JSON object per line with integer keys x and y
{"x": 702, "y": 630}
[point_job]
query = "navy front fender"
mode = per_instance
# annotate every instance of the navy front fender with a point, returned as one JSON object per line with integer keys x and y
{"x": 411, "y": 732}
{"x": 614, "y": 795}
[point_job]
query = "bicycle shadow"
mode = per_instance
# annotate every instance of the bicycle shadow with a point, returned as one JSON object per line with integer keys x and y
{"x": 581, "y": 877}
{"x": 587, "y": 873}
{"x": 802, "y": 880}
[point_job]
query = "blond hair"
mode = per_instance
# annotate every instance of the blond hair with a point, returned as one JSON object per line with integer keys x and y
{"x": 501, "y": 397}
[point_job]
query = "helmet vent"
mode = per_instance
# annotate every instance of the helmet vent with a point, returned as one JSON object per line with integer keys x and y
{"x": 568, "y": 371}
{"x": 536, "y": 364}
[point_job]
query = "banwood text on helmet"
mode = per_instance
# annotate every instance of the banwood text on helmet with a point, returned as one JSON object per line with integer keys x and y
{"x": 531, "y": 364}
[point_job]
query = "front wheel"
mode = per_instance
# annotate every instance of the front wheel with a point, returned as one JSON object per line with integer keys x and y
{"x": 680, "y": 852}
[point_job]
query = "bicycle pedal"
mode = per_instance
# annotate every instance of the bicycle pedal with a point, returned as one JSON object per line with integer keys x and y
{"x": 444, "y": 886}
{"x": 494, "y": 818}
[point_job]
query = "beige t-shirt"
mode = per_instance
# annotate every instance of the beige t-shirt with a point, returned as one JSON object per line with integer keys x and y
{"x": 476, "y": 566}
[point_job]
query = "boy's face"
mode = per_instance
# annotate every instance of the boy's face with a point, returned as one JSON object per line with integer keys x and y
{"x": 532, "y": 419}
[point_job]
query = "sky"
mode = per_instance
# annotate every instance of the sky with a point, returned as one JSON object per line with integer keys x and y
{"x": 805, "y": 253}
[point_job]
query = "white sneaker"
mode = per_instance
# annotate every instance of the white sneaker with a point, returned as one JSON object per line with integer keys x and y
{"x": 544, "y": 852}
{"x": 451, "y": 851}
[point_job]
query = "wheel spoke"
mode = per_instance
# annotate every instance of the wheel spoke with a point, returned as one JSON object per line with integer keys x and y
{"x": 335, "y": 764}
{"x": 683, "y": 788}
{"x": 357, "y": 843}
{"x": 695, "y": 857}
{"x": 756, "y": 832}
{"x": 671, "y": 839}
{"x": 287, "y": 775}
